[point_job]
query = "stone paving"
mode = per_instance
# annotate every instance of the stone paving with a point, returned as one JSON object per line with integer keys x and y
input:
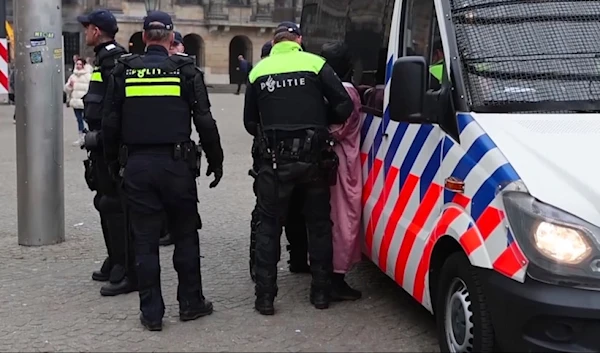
{"x": 48, "y": 301}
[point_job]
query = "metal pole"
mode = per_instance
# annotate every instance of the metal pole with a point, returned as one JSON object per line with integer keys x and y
{"x": 38, "y": 92}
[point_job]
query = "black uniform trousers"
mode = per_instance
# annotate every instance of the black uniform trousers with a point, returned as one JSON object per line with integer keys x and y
{"x": 110, "y": 204}
{"x": 158, "y": 185}
{"x": 274, "y": 189}
{"x": 295, "y": 228}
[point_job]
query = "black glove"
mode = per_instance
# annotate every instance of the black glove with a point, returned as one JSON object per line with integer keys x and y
{"x": 217, "y": 171}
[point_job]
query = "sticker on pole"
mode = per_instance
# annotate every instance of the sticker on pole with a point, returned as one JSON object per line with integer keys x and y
{"x": 43, "y": 34}
{"x": 37, "y": 42}
{"x": 57, "y": 53}
{"x": 36, "y": 57}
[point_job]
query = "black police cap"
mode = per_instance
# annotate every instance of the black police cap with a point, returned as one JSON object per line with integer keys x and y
{"x": 158, "y": 20}
{"x": 178, "y": 38}
{"x": 287, "y": 26}
{"x": 102, "y": 19}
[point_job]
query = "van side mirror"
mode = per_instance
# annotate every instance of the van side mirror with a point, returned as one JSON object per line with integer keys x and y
{"x": 407, "y": 90}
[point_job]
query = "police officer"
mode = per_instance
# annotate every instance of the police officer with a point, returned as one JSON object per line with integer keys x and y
{"x": 295, "y": 228}
{"x": 285, "y": 108}
{"x": 176, "y": 47}
{"x": 100, "y": 29}
{"x": 152, "y": 99}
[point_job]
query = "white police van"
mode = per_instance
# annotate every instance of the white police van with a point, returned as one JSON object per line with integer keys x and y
{"x": 479, "y": 195}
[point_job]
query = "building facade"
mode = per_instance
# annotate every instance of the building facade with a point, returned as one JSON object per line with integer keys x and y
{"x": 215, "y": 31}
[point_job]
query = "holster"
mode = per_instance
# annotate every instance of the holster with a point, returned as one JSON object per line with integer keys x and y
{"x": 92, "y": 140}
{"x": 191, "y": 153}
{"x": 329, "y": 163}
{"x": 90, "y": 173}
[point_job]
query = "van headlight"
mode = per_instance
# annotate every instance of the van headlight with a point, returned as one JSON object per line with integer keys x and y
{"x": 561, "y": 248}
{"x": 561, "y": 243}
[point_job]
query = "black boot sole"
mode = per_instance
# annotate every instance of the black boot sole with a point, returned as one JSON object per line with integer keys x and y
{"x": 320, "y": 306}
{"x": 340, "y": 298}
{"x": 196, "y": 315}
{"x": 100, "y": 277}
{"x": 110, "y": 293}
{"x": 265, "y": 311}
{"x": 150, "y": 326}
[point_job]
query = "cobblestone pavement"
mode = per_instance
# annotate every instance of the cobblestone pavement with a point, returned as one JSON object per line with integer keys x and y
{"x": 48, "y": 301}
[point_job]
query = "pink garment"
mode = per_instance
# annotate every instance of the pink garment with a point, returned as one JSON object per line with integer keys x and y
{"x": 346, "y": 208}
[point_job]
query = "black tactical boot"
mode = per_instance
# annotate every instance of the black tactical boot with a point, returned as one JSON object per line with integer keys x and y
{"x": 264, "y": 304}
{"x": 123, "y": 287}
{"x": 104, "y": 273}
{"x": 165, "y": 240}
{"x": 319, "y": 298}
{"x": 341, "y": 290}
{"x": 194, "y": 312}
{"x": 150, "y": 325}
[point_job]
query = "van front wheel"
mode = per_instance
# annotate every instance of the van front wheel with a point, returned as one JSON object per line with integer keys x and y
{"x": 464, "y": 324}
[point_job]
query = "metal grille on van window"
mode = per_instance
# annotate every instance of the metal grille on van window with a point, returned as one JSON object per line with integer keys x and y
{"x": 529, "y": 55}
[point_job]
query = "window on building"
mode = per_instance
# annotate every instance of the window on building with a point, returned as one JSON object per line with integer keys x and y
{"x": 71, "y": 40}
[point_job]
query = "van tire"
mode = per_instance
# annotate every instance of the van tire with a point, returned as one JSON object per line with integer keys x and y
{"x": 460, "y": 295}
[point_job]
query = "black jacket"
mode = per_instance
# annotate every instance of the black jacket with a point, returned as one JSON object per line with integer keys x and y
{"x": 292, "y": 90}
{"x": 193, "y": 89}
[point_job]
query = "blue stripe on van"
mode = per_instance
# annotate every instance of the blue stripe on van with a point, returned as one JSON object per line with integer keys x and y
{"x": 393, "y": 148}
{"x": 430, "y": 170}
{"x": 487, "y": 191}
{"x": 469, "y": 160}
{"x": 413, "y": 152}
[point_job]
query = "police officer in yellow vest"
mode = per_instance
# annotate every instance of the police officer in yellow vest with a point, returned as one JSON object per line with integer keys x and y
{"x": 118, "y": 267}
{"x": 286, "y": 110}
{"x": 147, "y": 143}
{"x": 176, "y": 47}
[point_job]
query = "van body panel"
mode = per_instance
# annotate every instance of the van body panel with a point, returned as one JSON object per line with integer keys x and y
{"x": 559, "y": 174}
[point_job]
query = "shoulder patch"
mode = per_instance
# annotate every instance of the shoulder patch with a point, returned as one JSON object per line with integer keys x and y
{"x": 125, "y": 55}
{"x": 182, "y": 54}
{"x": 110, "y": 47}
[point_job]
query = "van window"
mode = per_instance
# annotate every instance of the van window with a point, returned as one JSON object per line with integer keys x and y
{"x": 417, "y": 33}
{"x": 421, "y": 37}
{"x": 322, "y": 21}
{"x": 367, "y": 35}
{"x": 529, "y": 56}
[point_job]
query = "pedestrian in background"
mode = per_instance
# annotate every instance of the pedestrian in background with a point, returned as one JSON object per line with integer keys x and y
{"x": 244, "y": 68}
{"x": 76, "y": 87}
{"x": 88, "y": 64}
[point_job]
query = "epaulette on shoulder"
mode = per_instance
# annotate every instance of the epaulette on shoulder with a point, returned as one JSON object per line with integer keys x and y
{"x": 181, "y": 54}
{"x": 110, "y": 46}
{"x": 126, "y": 55}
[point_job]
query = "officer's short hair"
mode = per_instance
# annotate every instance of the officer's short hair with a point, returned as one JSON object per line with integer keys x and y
{"x": 283, "y": 36}
{"x": 158, "y": 34}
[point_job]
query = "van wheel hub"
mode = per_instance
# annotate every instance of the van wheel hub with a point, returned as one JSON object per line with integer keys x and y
{"x": 459, "y": 318}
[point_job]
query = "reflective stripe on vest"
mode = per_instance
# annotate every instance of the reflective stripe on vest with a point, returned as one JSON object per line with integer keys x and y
{"x": 96, "y": 76}
{"x": 437, "y": 71}
{"x": 153, "y": 87}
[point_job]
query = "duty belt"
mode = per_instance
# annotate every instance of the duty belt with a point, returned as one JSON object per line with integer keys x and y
{"x": 178, "y": 151}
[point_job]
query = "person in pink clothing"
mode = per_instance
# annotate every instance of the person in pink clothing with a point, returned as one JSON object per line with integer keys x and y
{"x": 346, "y": 209}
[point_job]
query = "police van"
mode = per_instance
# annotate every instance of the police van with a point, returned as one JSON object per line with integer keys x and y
{"x": 480, "y": 137}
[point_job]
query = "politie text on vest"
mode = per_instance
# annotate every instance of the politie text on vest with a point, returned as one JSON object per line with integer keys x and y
{"x": 271, "y": 85}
